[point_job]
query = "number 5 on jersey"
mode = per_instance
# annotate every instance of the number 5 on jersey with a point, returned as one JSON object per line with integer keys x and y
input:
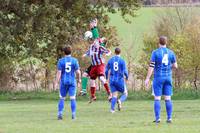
{"x": 68, "y": 67}
{"x": 165, "y": 59}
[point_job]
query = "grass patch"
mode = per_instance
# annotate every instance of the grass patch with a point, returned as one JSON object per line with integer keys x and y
{"x": 39, "y": 116}
{"x": 179, "y": 94}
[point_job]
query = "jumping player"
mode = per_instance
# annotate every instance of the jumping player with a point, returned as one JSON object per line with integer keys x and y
{"x": 102, "y": 41}
{"x": 96, "y": 52}
{"x": 66, "y": 69}
{"x": 118, "y": 72}
{"x": 162, "y": 62}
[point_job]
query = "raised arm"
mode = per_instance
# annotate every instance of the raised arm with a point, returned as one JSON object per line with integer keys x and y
{"x": 94, "y": 29}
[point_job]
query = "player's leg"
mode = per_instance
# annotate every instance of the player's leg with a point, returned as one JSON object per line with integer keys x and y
{"x": 92, "y": 90}
{"x": 72, "y": 94}
{"x": 84, "y": 81}
{"x": 63, "y": 92}
{"x": 103, "y": 80}
{"x": 157, "y": 90}
{"x": 93, "y": 76}
{"x": 114, "y": 96}
{"x": 113, "y": 100}
{"x": 157, "y": 108}
{"x": 123, "y": 97}
{"x": 167, "y": 92}
{"x": 100, "y": 72}
{"x": 169, "y": 108}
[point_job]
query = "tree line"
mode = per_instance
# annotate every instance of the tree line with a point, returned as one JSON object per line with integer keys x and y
{"x": 163, "y": 2}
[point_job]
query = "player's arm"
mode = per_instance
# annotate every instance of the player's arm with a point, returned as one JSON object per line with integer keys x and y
{"x": 150, "y": 69}
{"x": 107, "y": 69}
{"x": 87, "y": 53}
{"x": 105, "y": 51}
{"x": 149, "y": 73}
{"x": 175, "y": 65}
{"x": 125, "y": 71}
{"x": 94, "y": 29}
{"x": 78, "y": 72}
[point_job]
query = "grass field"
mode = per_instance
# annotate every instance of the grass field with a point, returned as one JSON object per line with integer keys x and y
{"x": 39, "y": 116}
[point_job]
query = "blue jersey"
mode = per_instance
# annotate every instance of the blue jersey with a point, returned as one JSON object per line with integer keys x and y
{"x": 163, "y": 59}
{"x": 118, "y": 69}
{"x": 68, "y": 66}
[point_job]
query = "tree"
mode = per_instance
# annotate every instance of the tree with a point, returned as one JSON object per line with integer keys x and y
{"x": 37, "y": 29}
{"x": 182, "y": 31}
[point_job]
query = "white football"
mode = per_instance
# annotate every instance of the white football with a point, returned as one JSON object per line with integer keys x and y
{"x": 87, "y": 35}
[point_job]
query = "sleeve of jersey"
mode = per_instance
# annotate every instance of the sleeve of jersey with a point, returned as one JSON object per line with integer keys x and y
{"x": 125, "y": 71}
{"x": 153, "y": 60}
{"x": 59, "y": 65}
{"x": 106, "y": 51}
{"x": 87, "y": 53}
{"x": 107, "y": 69}
{"x": 95, "y": 32}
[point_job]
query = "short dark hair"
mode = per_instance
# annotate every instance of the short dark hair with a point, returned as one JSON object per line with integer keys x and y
{"x": 117, "y": 51}
{"x": 67, "y": 50}
{"x": 163, "y": 40}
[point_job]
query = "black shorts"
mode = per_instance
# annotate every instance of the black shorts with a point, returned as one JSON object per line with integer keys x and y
{"x": 88, "y": 70}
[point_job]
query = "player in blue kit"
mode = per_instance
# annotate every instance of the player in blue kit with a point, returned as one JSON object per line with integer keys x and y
{"x": 162, "y": 62}
{"x": 67, "y": 70}
{"x": 118, "y": 74}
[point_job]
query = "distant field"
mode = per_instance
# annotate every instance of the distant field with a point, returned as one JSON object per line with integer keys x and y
{"x": 39, "y": 116}
{"x": 132, "y": 34}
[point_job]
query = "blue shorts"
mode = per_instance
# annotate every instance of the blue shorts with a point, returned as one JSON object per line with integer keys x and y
{"x": 162, "y": 86}
{"x": 118, "y": 86}
{"x": 64, "y": 89}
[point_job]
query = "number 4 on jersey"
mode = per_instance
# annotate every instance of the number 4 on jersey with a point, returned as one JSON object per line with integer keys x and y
{"x": 165, "y": 59}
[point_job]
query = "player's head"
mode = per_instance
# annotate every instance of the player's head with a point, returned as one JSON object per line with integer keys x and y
{"x": 67, "y": 50}
{"x": 162, "y": 40}
{"x": 117, "y": 51}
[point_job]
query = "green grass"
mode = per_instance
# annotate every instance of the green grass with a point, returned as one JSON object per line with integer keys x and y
{"x": 39, "y": 116}
{"x": 179, "y": 94}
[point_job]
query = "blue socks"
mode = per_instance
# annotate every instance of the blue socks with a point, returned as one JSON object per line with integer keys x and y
{"x": 157, "y": 108}
{"x": 169, "y": 106}
{"x": 113, "y": 102}
{"x": 123, "y": 98}
{"x": 61, "y": 106}
{"x": 73, "y": 107}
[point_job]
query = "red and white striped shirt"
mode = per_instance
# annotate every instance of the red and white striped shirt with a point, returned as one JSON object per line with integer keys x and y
{"x": 96, "y": 52}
